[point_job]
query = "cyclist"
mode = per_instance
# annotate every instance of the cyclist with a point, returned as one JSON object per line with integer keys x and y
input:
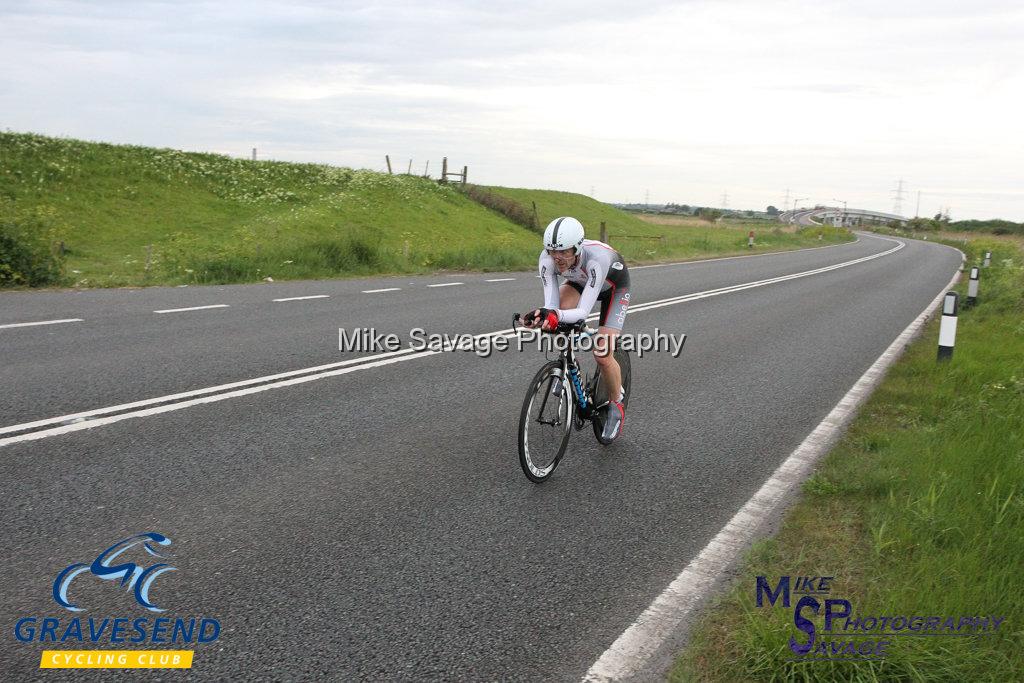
{"x": 592, "y": 271}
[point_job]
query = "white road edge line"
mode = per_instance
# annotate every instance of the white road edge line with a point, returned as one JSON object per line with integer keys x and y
{"x": 81, "y": 420}
{"x": 192, "y": 308}
{"x": 446, "y": 284}
{"x": 303, "y": 298}
{"x": 629, "y": 654}
{"x": 501, "y": 279}
{"x": 42, "y": 322}
{"x": 386, "y": 289}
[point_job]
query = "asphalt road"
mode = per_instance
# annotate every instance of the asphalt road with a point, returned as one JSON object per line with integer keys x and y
{"x": 375, "y": 524}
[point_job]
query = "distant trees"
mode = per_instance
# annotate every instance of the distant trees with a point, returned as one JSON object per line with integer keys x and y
{"x": 709, "y": 215}
{"x": 677, "y": 208}
{"x": 772, "y": 211}
{"x": 923, "y": 224}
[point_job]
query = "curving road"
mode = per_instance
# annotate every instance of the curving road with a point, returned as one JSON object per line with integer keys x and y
{"x": 369, "y": 520}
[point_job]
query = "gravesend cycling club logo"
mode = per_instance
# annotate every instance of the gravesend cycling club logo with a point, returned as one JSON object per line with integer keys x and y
{"x": 132, "y": 565}
{"x": 842, "y": 633}
{"x": 132, "y": 576}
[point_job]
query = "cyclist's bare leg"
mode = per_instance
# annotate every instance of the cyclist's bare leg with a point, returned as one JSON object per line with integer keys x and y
{"x": 568, "y": 297}
{"x": 604, "y": 348}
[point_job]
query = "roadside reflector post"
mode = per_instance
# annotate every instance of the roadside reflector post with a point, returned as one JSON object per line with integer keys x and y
{"x": 750, "y": 240}
{"x": 947, "y": 331}
{"x": 972, "y": 287}
{"x": 988, "y": 259}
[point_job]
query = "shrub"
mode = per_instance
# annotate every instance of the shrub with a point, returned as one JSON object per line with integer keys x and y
{"x": 509, "y": 208}
{"x": 710, "y": 215}
{"x": 29, "y": 252}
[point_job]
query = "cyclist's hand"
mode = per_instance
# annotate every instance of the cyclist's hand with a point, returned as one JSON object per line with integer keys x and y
{"x": 548, "y": 319}
{"x": 530, "y": 319}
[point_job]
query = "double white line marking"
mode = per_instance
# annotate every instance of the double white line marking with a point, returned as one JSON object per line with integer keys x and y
{"x": 64, "y": 424}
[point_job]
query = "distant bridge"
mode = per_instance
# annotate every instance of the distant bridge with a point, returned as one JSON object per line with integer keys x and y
{"x": 837, "y": 216}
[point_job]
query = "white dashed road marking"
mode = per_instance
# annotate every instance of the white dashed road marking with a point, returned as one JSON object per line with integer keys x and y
{"x": 386, "y": 289}
{"x": 43, "y": 322}
{"x": 303, "y": 298}
{"x": 191, "y": 308}
{"x": 71, "y": 423}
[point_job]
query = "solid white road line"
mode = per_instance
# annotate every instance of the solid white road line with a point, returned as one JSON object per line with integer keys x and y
{"x": 631, "y": 652}
{"x": 191, "y": 308}
{"x": 446, "y": 284}
{"x": 761, "y": 283}
{"x": 304, "y": 298}
{"x": 195, "y": 392}
{"x": 80, "y": 422}
{"x": 501, "y": 279}
{"x": 43, "y": 322}
{"x": 174, "y": 401}
{"x": 386, "y": 289}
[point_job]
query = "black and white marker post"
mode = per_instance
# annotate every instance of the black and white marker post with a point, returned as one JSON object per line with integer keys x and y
{"x": 972, "y": 287}
{"x": 750, "y": 240}
{"x": 988, "y": 259}
{"x": 947, "y": 331}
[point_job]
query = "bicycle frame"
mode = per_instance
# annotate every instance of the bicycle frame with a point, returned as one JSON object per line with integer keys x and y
{"x": 562, "y": 379}
{"x": 582, "y": 407}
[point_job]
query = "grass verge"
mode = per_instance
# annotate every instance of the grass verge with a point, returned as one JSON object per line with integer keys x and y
{"x": 652, "y": 238}
{"x": 919, "y": 511}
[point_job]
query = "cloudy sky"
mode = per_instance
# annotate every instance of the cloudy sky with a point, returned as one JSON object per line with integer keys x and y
{"x": 687, "y": 100}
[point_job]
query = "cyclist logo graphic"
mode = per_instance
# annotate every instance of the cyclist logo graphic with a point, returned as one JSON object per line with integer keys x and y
{"x": 132, "y": 576}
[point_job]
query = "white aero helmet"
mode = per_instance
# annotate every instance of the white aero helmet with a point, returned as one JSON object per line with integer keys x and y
{"x": 564, "y": 233}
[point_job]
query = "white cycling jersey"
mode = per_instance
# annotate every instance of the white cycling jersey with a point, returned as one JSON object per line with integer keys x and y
{"x": 599, "y": 269}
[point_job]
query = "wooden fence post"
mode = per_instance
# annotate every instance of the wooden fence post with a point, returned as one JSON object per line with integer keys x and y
{"x": 604, "y": 232}
{"x": 465, "y": 173}
{"x": 388, "y": 159}
{"x": 536, "y": 219}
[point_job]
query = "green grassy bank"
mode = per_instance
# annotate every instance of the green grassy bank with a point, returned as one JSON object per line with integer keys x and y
{"x": 84, "y": 214}
{"x": 918, "y": 511}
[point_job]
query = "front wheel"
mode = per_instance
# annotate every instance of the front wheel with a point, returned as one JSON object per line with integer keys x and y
{"x": 545, "y": 423}
{"x": 601, "y": 393}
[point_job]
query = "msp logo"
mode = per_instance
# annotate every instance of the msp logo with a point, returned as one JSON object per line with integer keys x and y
{"x": 843, "y": 633}
{"x": 132, "y": 576}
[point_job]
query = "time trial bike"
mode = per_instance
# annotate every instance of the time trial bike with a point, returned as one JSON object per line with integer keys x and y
{"x": 560, "y": 398}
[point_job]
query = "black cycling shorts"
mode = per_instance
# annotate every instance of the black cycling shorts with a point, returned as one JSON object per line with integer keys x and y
{"x": 614, "y": 300}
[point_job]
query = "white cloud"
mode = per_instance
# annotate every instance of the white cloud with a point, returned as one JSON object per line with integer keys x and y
{"x": 687, "y": 100}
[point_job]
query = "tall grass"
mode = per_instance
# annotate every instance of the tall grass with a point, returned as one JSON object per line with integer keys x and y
{"x": 918, "y": 511}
